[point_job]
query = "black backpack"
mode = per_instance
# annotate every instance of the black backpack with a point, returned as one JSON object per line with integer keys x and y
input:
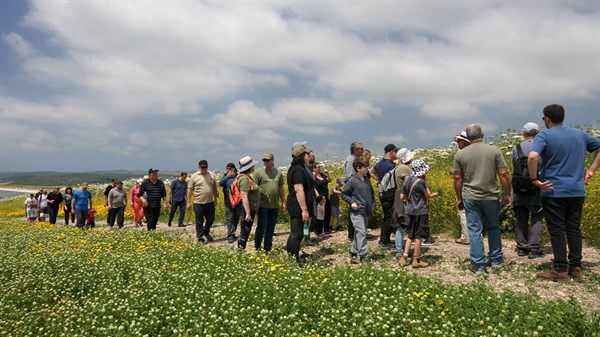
{"x": 521, "y": 183}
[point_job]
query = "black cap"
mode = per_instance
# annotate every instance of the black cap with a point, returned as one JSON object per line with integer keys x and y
{"x": 152, "y": 170}
{"x": 230, "y": 165}
{"x": 389, "y": 148}
{"x": 203, "y": 163}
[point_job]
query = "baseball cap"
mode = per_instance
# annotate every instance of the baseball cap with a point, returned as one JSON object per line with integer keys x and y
{"x": 530, "y": 126}
{"x": 268, "y": 156}
{"x": 152, "y": 170}
{"x": 298, "y": 148}
{"x": 230, "y": 165}
{"x": 389, "y": 148}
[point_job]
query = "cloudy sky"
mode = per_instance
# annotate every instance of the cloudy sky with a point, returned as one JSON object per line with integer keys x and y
{"x": 102, "y": 85}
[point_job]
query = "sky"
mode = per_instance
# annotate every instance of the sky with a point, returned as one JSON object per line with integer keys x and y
{"x": 106, "y": 85}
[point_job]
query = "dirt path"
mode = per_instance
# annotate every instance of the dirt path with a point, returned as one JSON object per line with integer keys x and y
{"x": 449, "y": 263}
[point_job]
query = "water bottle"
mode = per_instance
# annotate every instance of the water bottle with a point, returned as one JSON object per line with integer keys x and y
{"x": 306, "y": 231}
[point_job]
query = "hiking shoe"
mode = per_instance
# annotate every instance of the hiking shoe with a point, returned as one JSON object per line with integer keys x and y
{"x": 461, "y": 241}
{"x": 426, "y": 242}
{"x": 534, "y": 254}
{"x": 556, "y": 276}
{"x": 231, "y": 239}
{"x": 209, "y": 238}
{"x": 522, "y": 252}
{"x": 498, "y": 266}
{"x": 403, "y": 260}
{"x": 388, "y": 245}
{"x": 418, "y": 263}
{"x": 576, "y": 273}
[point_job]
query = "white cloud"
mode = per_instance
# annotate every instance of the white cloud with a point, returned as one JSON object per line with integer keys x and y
{"x": 397, "y": 140}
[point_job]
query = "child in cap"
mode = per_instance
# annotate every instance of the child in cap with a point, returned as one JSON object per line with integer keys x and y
{"x": 414, "y": 190}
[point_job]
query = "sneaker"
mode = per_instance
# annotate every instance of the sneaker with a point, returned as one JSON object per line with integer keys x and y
{"x": 461, "y": 241}
{"x": 556, "y": 276}
{"x": 231, "y": 239}
{"x": 200, "y": 243}
{"x": 169, "y": 225}
{"x": 534, "y": 254}
{"x": 576, "y": 273}
{"x": 403, "y": 261}
{"x": 209, "y": 238}
{"x": 354, "y": 259}
{"x": 522, "y": 252}
{"x": 478, "y": 271}
{"x": 498, "y": 266}
{"x": 388, "y": 245}
{"x": 427, "y": 242}
{"x": 417, "y": 263}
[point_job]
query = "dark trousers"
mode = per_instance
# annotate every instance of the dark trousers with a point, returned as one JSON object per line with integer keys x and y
{"x": 81, "y": 216}
{"x": 528, "y": 237}
{"x": 350, "y": 228}
{"x": 296, "y": 236}
{"x": 265, "y": 227}
{"x": 69, "y": 214}
{"x": 204, "y": 212}
{"x": 245, "y": 228}
{"x": 386, "y": 224}
{"x": 174, "y": 206}
{"x": 563, "y": 219}
{"x": 119, "y": 216}
{"x": 52, "y": 214}
{"x": 110, "y": 218}
{"x": 327, "y": 220}
{"x": 232, "y": 218}
{"x": 152, "y": 215}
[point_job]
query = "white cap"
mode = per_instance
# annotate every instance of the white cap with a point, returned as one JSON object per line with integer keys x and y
{"x": 530, "y": 126}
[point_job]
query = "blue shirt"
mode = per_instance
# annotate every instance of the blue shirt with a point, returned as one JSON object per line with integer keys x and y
{"x": 383, "y": 166}
{"x": 178, "y": 190}
{"x": 81, "y": 199}
{"x": 562, "y": 150}
{"x": 226, "y": 182}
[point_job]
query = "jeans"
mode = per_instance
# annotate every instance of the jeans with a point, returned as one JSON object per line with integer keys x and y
{"x": 174, "y": 206}
{"x": 152, "y": 215}
{"x": 296, "y": 236}
{"x": 119, "y": 216}
{"x": 563, "y": 219}
{"x": 528, "y": 238}
{"x": 359, "y": 243}
{"x": 52, "y": 214}
{"x": 204, "y": 212}
{"x": 386, "y": 224}
{"x": 110, "y": 218}
{"x": 399, "y": 239}
{"x": 81, "y": 215}
{"x": 232, "y": 218}
{"x": 246, "y": 228}
{"x": 480, "y": 212}
{"x": 267, "y": 219}
{"x": 69, "y": 214}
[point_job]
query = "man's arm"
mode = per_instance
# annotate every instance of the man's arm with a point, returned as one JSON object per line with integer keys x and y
{"x": 73, "y": 203}
{"x": 299, "y": 189}
{"x": 505, "y": 181}
{"x": 458, "y": 183}
{"x": 592, "y": 169}
{"x": 188, "y": 198}
{"x": 532, "y": 167}
{"x": 282, "y": 198}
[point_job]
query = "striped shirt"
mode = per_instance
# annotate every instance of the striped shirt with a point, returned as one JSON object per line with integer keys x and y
{"x": 155, "y": 192}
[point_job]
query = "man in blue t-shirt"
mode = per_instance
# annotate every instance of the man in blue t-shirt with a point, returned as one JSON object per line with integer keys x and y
{"x": 562, "y": 152}
{"x": 81, "y": 202}
{"x": 178, "y": 199}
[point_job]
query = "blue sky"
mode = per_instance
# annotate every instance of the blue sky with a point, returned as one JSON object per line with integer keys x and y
{"x": 103, "y": 85}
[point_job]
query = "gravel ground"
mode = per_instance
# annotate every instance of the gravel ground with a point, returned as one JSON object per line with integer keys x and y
{"x": 449, "y": 263}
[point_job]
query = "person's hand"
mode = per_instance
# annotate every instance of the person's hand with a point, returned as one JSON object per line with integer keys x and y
{"x": 188, "y": 205}
{"x": 588, "y": 175}
{"x": 506, "y": 201}
{"x": 144, "y": 203}
{"x": 305, "y": 216}
{"x": 248, "y": 218}
{"x": 283, "y": 207}
{"x": 354, "y": 206}
{"x": 546, "y": 185}
{"x": 459, "y": 204}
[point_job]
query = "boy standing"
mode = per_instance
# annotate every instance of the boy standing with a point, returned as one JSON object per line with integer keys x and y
{"x": 415, "y": 191}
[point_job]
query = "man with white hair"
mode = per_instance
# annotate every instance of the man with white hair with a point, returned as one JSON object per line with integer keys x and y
{"x": 527, "y": 202}
{"x": 475, "y": 170}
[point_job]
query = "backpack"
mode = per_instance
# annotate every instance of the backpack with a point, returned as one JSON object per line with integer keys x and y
{"x": 387, "y": 185}
{"x": 521, "y": 183}
{"x": 235, "y": 195}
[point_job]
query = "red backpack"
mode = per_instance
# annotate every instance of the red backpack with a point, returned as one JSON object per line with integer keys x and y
{"x": 235, "y": 195}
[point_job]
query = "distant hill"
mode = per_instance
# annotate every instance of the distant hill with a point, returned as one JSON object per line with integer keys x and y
{"x": 49, "y": 178}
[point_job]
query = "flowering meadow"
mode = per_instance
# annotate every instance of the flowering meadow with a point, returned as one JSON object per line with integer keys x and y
{"x": 62, "y": 281}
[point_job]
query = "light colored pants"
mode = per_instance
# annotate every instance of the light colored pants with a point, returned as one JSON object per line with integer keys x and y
{"x": 359, "y": 242}
{"x": 464, "y": 233}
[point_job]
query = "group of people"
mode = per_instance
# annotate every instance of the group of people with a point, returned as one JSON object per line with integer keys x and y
{"x": 548, "y": 181}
